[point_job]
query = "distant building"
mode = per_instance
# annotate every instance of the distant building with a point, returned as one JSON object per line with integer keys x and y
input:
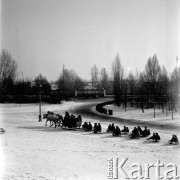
{"x": 90, "y": 85}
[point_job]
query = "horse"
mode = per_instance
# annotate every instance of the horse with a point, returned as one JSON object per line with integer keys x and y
{"x": 53, "y": 118}
{"x": 60, "y": 119}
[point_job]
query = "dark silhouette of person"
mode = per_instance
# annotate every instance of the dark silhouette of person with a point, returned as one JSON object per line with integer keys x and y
{"x": 109, "y": 129}
{"x": 127, "y": 129}
{"x": 79, "y": 118}
{"x": 157, "y": 137}
{"x": 140, "y": 131}
{"x": 99, "y": 127}
{"x": 113, "y": 128}
{"x": 67, "y": 115}
{"x": 124, "y": 129}
{"x": 84, "y": 126}
{"x": 89, "y": 127}
{"x": 174, "y": 139}
{"x": 95, "y": 129}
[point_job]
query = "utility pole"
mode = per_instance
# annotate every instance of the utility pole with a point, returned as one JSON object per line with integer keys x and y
{"x": 22, "y": 77}
{"x": 40, "y": 117}
{"x": 40, "y": 86}
{"x": 63, "y": 81}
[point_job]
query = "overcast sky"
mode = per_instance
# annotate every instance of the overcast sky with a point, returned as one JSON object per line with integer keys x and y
{"x": 42, "y": 35}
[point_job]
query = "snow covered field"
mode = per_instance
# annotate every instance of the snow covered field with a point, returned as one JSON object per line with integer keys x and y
{"x": 30, "y": 150}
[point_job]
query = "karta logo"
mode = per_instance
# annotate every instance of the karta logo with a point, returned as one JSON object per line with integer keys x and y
{"x": 116, "y": 170}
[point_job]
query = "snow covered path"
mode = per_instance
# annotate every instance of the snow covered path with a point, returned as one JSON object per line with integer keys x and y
{"x": 29, "y": 150}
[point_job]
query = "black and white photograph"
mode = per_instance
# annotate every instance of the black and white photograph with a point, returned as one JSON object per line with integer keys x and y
{"x": 89, "y": 89}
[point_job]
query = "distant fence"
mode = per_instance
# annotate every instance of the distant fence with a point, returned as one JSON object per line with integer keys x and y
{"x": 90, "y": 93}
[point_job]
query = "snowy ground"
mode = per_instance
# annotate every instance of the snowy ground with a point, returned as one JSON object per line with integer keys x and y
{"x": 29, "y": 150}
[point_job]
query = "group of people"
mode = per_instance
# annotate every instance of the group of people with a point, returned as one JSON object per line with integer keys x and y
{"x": 116, "y": 131}
{"x": 71, "y": 120}
{"x": 97, "y": 128}
{"x": 72, "y": 117}
{"x": 88, "y": 127}
{"x": 138, "y": 132}
{"x": 111, "y": 128}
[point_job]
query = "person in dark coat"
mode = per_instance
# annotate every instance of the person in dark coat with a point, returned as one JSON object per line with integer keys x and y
{"x": 84, "y": 126}
{"x": 124, "y": 129}
{"x": 112, "y": 128}
{"x": 127, "y": 129}
{"x": 95, "y": 129}
{"x": 174, "y": 139}
{"x": 109, "y": 129}
{"x": 140, "y": 131}
{"x": 99, "y": 127}
{"x": 157, "y": 137}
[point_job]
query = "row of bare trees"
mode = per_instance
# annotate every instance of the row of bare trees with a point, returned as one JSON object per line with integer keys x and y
{"x": 67, "y": 82}
{"x": 148, "y": 88}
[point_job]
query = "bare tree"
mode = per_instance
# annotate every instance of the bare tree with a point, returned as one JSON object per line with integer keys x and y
{"x": 174, "y": 88}
{"x": 118, "y": 72}
{"x": 42, "y": 80}
{"x": 141, "y": 89}
{"x": 162, "y": 90}
{"x": 131, "y": 84}
{"x": 104, "y": 79}
{"x": 94, "y": 76}
{"x": 152, "y": 74}
{"x": 68, "y": 82}
{"x": 78, "y": 84}
{"x": 8, "y": 69}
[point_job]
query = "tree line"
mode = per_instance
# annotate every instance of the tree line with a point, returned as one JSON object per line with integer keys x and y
{"x": 150, "y": 87}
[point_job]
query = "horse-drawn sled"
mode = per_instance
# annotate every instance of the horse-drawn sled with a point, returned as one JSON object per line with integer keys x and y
{"x": 69, "y": 121}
